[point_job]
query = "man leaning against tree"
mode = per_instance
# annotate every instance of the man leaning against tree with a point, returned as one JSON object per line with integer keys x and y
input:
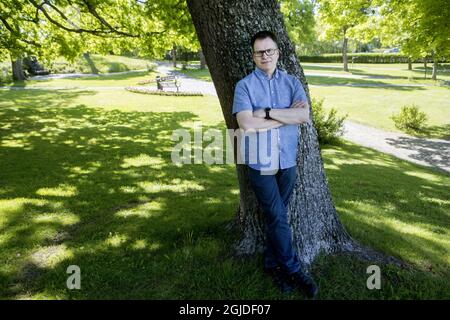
{"x": 272, "y": 103}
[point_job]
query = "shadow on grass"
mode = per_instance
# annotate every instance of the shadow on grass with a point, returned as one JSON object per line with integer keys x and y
{"x": 385, "y": 197}
{"x": 101, "y": 176}
{"x": 94, "y": 188}
{"x": 435, "y": 153}
{"x": 440, "y": 132}
{"x": 336, "y": 81}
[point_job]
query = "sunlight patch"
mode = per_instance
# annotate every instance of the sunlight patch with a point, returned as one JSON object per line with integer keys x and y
{"x": 60, "y": 191}
{"x": 143, "y": 244}
{"x": 177, "y": 186}
{"x": 146, "y": 210}
{"x": 235, "y": 191}
{"x": 79, "y": 170}
{"x": 49, "y": 257}
{"x": 423, "y": 175}
{"x": 141, "y": 161}
{"x": 53, "y": 217}
{"x": 116, "y": 240}
{"x": 17, "y": 206}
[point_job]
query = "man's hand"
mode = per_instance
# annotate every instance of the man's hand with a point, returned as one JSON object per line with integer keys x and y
{"x": 260, "y": 113}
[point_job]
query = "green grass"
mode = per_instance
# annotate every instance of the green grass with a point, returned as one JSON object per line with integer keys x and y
{"x": 374, "y": 106}
{"x": 87, "y": 180}
{"x": 391, "y": 72}
{"x": 104, "y": 64}
{"x": 107, "y": 80}
{"x": 200, "y": 74}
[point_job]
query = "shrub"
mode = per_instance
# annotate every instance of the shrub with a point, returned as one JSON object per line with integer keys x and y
{"x": 410, "y": 118}
{"x": 329, "y": 126}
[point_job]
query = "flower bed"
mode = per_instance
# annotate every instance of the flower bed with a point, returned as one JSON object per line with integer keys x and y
{"x": 161, "y": 92}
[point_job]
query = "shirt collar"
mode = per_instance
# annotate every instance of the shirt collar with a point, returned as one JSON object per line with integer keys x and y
{"x": 262, "y": 75}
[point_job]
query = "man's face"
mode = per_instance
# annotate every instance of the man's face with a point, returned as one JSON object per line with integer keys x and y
{"x": 265, "y": 62}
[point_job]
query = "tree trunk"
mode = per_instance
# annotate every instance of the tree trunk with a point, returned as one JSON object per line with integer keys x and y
{"x": 435, "y": 65}
{"x": 425, "y": 65}
{"x": 202, "y": 60}
{"x": 224, "y": 29}
{"x": 344, "y": 53}
{"x": 174, "y": 55}
{"x": 409, "y": 64}
{"x": 17, "y": 69}
{"x": 91, "y": 64}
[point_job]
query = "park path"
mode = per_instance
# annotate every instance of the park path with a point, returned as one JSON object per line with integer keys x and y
{"x": 427, "y": 152}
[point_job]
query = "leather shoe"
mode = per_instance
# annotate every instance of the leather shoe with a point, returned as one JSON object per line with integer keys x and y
{"x": 304, "y": 283}
{"x": 279, "y": 278}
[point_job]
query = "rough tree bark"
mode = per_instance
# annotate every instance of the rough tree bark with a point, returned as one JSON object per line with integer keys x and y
{"x": 409, "y": 64}
{"x": 17, "y": 69}
{"x": 435, "y": 66}
{"x": 202, "y": 60}
{"x": 174, "y": 55}
{"x": 91, "y": 63}
{"x": 344, "y": 53}
{"x": 224, "y": 29}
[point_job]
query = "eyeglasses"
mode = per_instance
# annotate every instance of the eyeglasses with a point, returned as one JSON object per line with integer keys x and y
{"x": 268, "y": 52}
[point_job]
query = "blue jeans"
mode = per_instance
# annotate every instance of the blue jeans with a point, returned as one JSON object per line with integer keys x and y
{"x": 273, "y": 193}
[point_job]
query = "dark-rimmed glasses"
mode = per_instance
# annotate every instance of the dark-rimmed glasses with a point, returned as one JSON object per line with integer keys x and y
{"x": 268, "y": 52}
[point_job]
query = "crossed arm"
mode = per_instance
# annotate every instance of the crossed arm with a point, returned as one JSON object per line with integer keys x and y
{"x": 297, "y": 113}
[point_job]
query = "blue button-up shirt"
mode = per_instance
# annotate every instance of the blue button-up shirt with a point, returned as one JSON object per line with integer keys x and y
{"x": 257, "y": 91}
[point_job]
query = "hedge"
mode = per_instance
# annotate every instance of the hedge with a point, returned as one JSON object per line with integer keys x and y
{"x": 361, "y": 58}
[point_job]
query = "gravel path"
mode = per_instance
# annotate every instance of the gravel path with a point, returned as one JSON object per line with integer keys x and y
{"x": 428, "y": 152}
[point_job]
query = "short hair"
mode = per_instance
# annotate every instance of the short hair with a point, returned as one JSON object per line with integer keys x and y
{"x": 263, "y": 35}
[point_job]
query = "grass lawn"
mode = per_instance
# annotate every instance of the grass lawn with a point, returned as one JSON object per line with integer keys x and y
{"x": 103, "y": 63}
{"x": 87, "y": 179}
{"x": 374, "y": 106}
{"x": 387, "y": 71}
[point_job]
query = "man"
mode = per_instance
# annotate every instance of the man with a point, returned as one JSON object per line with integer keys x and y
{"x": 273, "y": 103}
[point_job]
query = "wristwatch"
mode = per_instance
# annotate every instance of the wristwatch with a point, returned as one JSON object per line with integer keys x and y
{"x": 267, "y": 110}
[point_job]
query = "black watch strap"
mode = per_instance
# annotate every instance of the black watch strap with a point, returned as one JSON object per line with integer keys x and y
{"x": 267, "y": 110}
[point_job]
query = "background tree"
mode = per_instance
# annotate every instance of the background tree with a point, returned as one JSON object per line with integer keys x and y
{"x": 300, "y": 22}
{"x": 344, "y": 20}
{"x": 70, "y": 27}
{"x": 420, "y": 27}
{"x": 224, "y": 29}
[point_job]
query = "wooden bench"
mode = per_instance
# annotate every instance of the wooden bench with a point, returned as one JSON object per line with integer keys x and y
{"x": 169, "y": 81}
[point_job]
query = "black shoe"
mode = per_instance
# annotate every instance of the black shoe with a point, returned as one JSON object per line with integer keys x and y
{"x": 304, "y": 283}
{"x": 280, "y": 279}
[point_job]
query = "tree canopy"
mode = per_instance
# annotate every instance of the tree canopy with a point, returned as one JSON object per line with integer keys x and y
{"x": 69, "y": 27}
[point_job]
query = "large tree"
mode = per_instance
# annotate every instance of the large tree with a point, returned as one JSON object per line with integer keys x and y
{"x": 70, "y": 27}
{"x": 224, "y": 29}
{"x": 300, "y": 22}
{"x": 420, "y": 27}
{"x": 344, "y": 20}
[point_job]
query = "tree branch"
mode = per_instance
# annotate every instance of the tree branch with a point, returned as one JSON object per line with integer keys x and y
{"x": 17, "y": 33}
{"x": 94, "y": 12}
{"x": 99, "y": 33}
